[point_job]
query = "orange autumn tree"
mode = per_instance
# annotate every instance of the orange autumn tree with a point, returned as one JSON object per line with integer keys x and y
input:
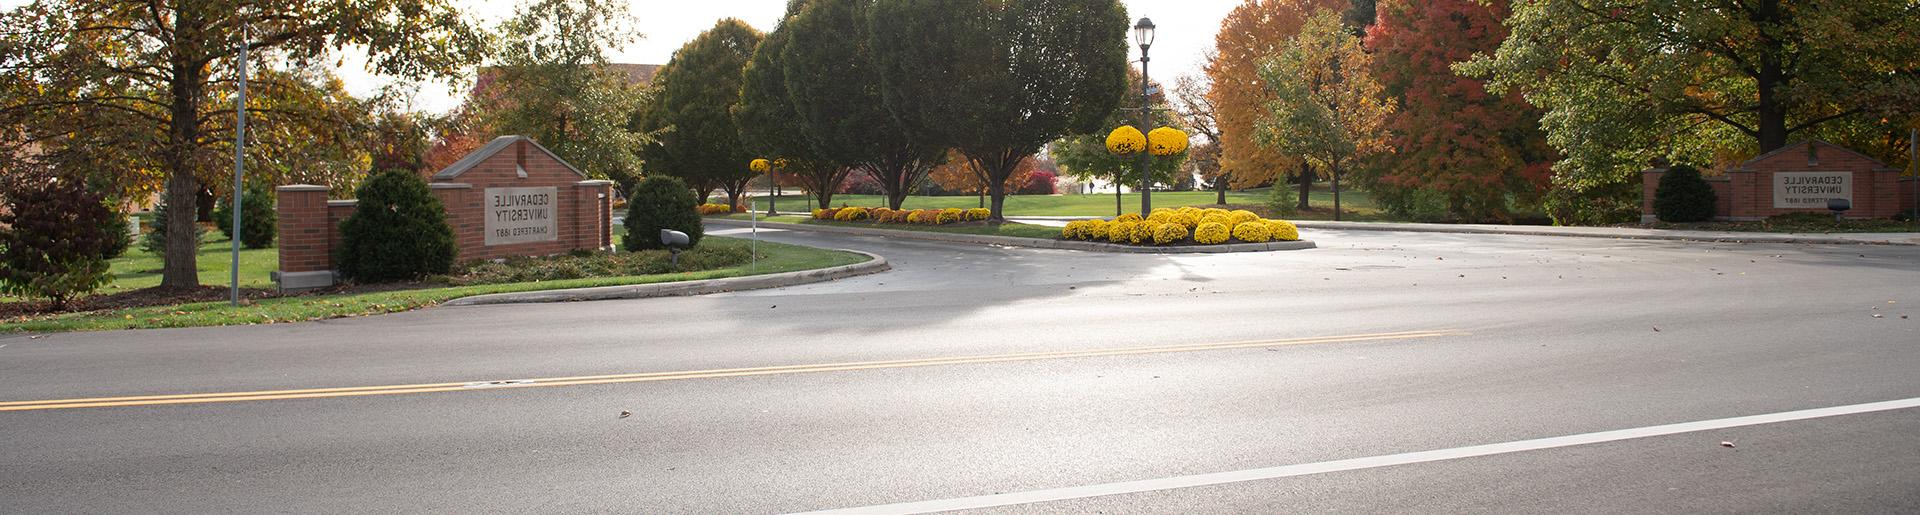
{"x": 1251, "y": 33}
{"x": 959, "y": 174}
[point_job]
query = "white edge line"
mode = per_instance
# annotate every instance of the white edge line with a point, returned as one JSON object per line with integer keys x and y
{"x": 1216, "y": 478}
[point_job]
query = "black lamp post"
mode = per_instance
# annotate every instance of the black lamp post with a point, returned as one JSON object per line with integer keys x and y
{"x": 1143, "y": 35}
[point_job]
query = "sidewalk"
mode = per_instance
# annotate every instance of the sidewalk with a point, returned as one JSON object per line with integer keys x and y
{"x": 1627, "y": 233}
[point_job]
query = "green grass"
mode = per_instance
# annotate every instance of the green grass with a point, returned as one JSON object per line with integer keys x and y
{"x": 138, "y": 269}
{"x": 777, "y": 258}
{"x": 1354, "y": 202}
{"x": 1005, "y": 229}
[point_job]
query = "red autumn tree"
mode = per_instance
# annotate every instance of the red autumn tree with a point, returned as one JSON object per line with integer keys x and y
{"x": 1454, "y": 141}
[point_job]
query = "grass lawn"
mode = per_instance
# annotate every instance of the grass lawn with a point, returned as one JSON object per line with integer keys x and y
{"x": 1006, "y": 229}
{"x": 1354, "y": 202}
{"x": 139, "y": 269}
{"x": 774, "y": 258}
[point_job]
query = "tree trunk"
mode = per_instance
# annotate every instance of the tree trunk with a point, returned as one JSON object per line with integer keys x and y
{"x": 1306, "y": 185}
{"x": 203, "y": 205}
{"x": 1118, "y": 207}
{"x": 1336, "y": 188}
{"x": 1773, "y": 115}
{"x": 183, "y": 134}
{"x": 1220, "y": 184}
{"x": 998, "y": 190}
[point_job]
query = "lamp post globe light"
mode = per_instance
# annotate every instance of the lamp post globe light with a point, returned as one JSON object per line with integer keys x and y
{"x": 1143, "y": 36}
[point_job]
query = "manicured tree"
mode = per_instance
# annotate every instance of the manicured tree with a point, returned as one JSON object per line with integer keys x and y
{"x": 660, "y": 203}
{"x": 259, "y": 221}
{"x": 699, "y": 88}
{"x": 1491, "y": 148}
{"x": 53, "y": 236}
{"x": 771, "y": 127}
{"x": 1251, "y": 33}
{"x": 1327, "y": 106}
{"x": 1085, "y": 155}
{"x": 552, "y": 83}
{"x": 154, "y": 74}
{"x": 398, "y": 231}
{"x": 999, "y": 79}
{"x": 1683, "y": 196}
{"x": 834, "y": 85}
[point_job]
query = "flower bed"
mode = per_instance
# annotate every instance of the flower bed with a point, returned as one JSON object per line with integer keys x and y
{"x": 1187, "y": 225}
{"x": 718, "y": 209}
{"x": 902, "y": 216}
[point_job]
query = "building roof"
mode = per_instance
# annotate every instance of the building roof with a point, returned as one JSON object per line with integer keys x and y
{"x": 474, "y": 158}
{"x": 1802, "y": 148}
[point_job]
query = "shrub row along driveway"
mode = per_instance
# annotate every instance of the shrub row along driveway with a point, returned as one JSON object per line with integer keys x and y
{"x": 1530, "y": 337}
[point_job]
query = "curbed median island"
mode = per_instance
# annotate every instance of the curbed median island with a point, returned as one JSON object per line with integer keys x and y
{"x": 1164, "y": 231}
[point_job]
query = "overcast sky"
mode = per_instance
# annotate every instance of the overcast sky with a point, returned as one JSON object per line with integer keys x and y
{"x": 1186, "y": 28}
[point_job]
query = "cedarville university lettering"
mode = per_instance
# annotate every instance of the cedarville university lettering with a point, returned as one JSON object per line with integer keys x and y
{"x": 520, "y": 215}
{"x": 1813, "y": 185}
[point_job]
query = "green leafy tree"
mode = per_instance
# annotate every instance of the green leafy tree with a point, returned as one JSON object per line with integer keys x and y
{"x": 660, "y": 203}
{"x": 770, "y": 124}
{"x": 555, "y": 86}
{"x": 258, "y": 221}
{"x": 835, "y": 87}
{"x": 999, "y": 79}
{"x": 1624, "y": 82}
{"x": 699, "y": 141}
{"x": 53, "y": 237}
{"x": 1084, "y": 156}
{"x": 157, "y": 66}
{"x": 1327, "y": 106}
{"x": 398, "y": 231}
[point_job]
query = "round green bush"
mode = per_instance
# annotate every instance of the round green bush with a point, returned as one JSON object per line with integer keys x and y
{"x": 660, "y": 203}
{"x": 1683, "y": 196}
{"x": 259, "y": 221}
{"x": 397, "y": 232}
{"x": 55, "y": 237}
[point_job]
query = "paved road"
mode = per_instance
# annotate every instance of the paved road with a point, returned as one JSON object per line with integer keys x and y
{"x": 976, "y": 371}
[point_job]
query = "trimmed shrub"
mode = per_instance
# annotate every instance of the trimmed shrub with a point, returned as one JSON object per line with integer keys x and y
{"x": 1683, "y": 196}
{"x": 1241, "y": 216}
{"x": 1283, "y": 230}
{"x": 660, "y": 202}
{"x": 979, "y": 214}
{"x": 259, "y": 221}
{"x": 397, "y": 232}
{"x": 1120, "y": 231}
{"x": 55, "y": 238}
{"x": 1212, "y": 233}
{"x": 1143, "y": 232}
{"x": 1167, "y": 234}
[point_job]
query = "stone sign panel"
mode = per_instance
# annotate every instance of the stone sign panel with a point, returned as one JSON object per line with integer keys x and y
{"x": 520, "y": 215}
{"x": 1810, "y": 190}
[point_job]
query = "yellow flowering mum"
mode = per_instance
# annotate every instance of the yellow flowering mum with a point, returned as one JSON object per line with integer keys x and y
{"x": 1126, "y": 141}
{"x": 1241, "y": 216}
{"x": 1166, "y": 141}
{"x": 1129, "y": 217}
{"x": 1255, "y": 232}
{"x": 1216, "y": 211}
{"x": 819, "y": 213}
{"x": 978, "y": 214}
{"x": 1283, "y": 230}
{"x": 759, "y": 165}
{"x": 1096, "y": 229}
{"x": 1226, "y": 220}
{"x": 1212, "y": 233}
{"x": 951, "y": 215}
{"x": 1072, "y": 230}
{"x": 1169, "y": 233}
{"x": 1120, "y": 231}
{"x": 1143, "y": 232}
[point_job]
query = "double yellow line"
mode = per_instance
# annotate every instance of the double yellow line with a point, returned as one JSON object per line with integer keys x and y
{"x": 359, "y": 391}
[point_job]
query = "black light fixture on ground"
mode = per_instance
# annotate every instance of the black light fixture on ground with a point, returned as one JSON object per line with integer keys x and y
{"x": 1143, "y": 35}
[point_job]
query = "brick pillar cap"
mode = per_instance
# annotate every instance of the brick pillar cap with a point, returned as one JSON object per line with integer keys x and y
{"x": 595, "y": 182}
{"x": 450, "y": 186}
{"x": 348, "y": 202}
{"x": 302, "y": 187}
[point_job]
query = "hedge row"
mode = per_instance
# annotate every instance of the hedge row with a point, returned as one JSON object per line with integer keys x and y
{"x": 1187, "y": 225}
{"x": 902, "y": 216}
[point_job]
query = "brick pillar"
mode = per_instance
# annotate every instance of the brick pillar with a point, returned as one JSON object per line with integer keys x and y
{"x": 1649, "y": 182}
{"x": 306, "y": 238}
{"x": 592, "y": 214}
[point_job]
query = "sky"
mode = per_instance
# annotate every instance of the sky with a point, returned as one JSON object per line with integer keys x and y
{"x": 1185, "y": 30}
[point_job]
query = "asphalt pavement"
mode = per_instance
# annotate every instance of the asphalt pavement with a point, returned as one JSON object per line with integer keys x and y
{"x": 973, "y": 371}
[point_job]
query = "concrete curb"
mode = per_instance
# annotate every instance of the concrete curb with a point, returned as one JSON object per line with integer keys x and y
{"x": 1588, "y": 232}
{"x": 874, "y": 265}
{"x": 1015, "y": 241}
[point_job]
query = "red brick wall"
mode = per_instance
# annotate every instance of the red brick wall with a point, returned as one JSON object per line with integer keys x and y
{"x": 309, "y": 226}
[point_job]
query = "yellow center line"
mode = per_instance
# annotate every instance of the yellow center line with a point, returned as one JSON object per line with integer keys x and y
{"x": 358, "y": 391}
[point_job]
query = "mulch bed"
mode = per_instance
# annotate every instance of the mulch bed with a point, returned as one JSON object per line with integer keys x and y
{"x": 131, "y": 299}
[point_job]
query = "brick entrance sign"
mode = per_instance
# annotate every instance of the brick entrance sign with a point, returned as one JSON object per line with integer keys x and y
{"x": 511, "y": 197}
{"x": 1799, "y": 179}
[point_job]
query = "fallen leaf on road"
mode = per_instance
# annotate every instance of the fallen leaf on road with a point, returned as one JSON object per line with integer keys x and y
{"x": 1726, "y": 444}
{"x": 625, "y": 414}
{"x": 1877, "y": 315}
{"x": 1656, "y": 328}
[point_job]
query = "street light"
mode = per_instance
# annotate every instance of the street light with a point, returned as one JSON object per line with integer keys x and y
{"x": 1143, "y": 35}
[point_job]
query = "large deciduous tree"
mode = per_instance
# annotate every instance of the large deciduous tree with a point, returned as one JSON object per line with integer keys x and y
{"x": 1196, "y": 111}
{"x": 1624, "y": 82}
{"x": 1251, "y": 33}
{"x": 693, "y": 110}
{"x": 1326, "y": 105}
{"x": 154, "y": 68}
{"x": 1452, "y": 137}
{"x": 555, "y": 85}
{"x": 997, "y": 79}
{"x": 834, "y": 84}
